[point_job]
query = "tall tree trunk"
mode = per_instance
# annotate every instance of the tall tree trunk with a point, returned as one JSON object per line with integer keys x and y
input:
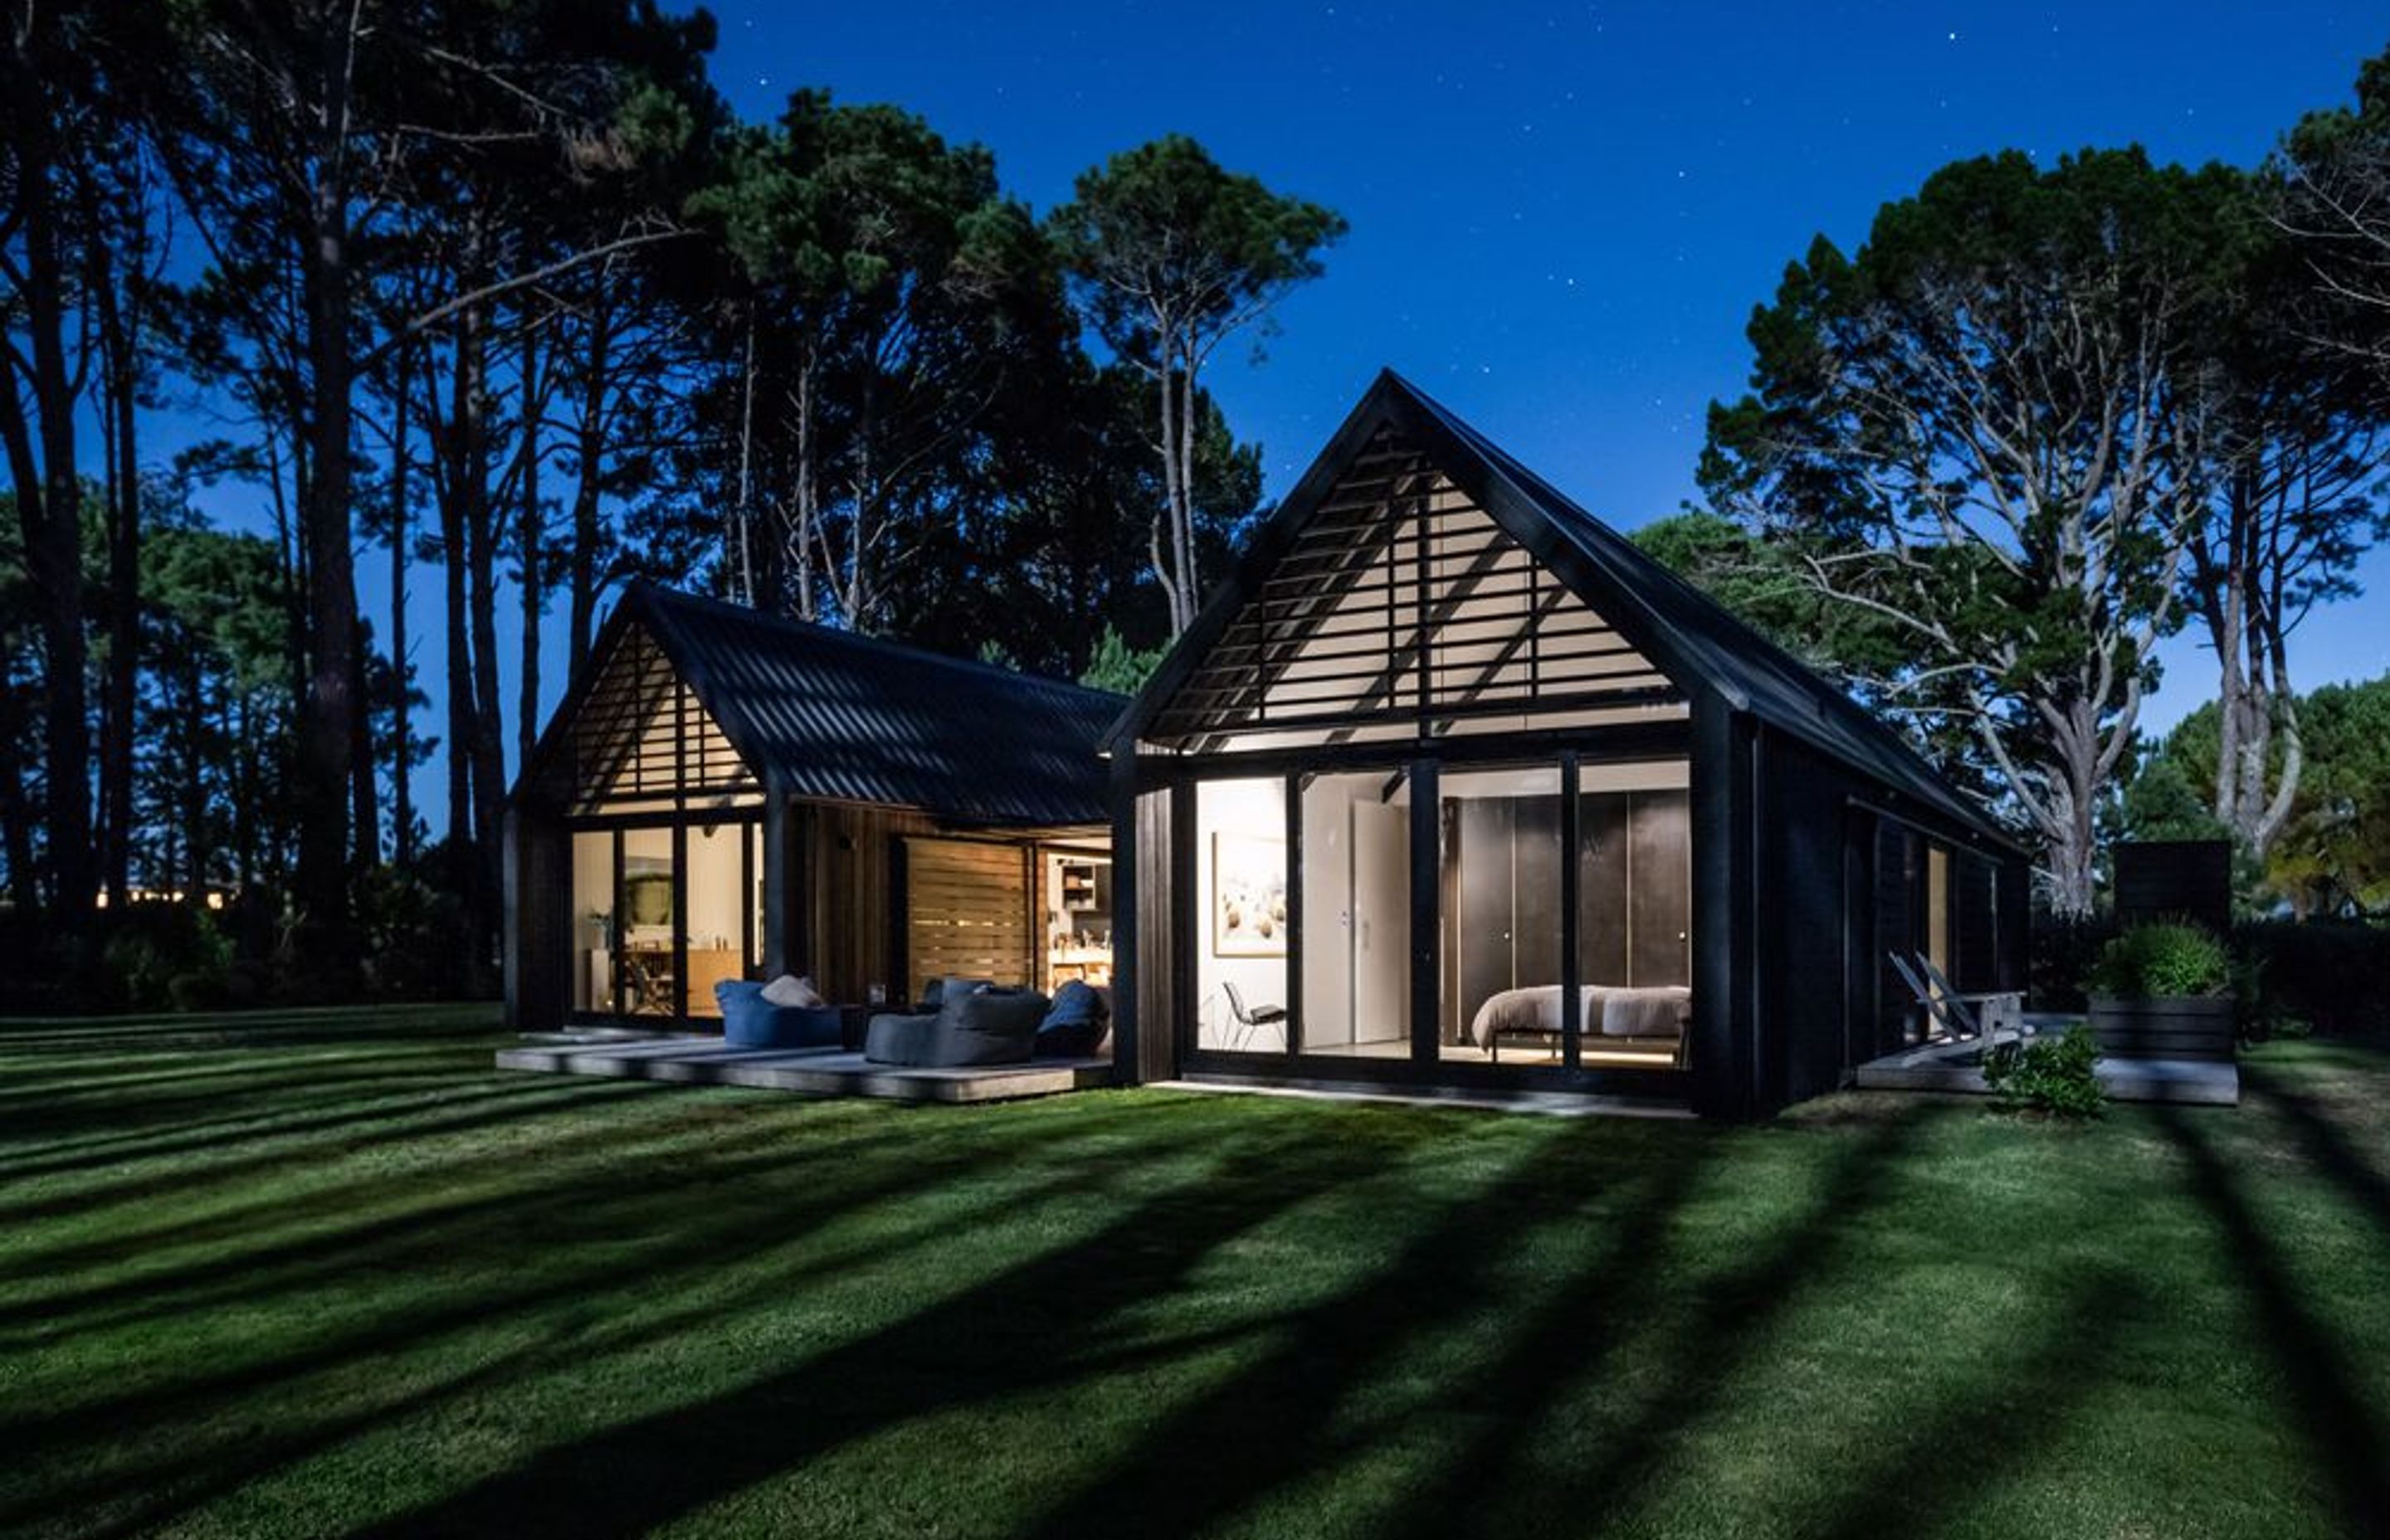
{"x": 365, "y": 810}
{"x": 120, "y": 389}
{"x": 402, "y": 712}
{"x": 457, "y": 651}
{"x": 327, "y": 713}
{"x": 1165, "y": 542}
{"x": 530, "y": 548}
{"x": 591, "y": 444}
{"x": 49, "y": 494}
{"x": 488, "y": 746}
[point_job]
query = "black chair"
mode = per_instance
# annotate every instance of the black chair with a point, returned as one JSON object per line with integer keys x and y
{"x": 1250, "y": 1020}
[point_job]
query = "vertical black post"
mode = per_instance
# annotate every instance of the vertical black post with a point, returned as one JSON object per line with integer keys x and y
{"x": 1724, "y": 907}
{"x": 1293, "y": 795}
{"x": 1128, "y": 967}
{"x": 1571, "y": 965}
{"x": 619, "y": 945}
{"x": 680, "y": 920}
{"x": 1427, "y": 935}
{"x": 1186, "y": 927}
{"x": 747, "y": 900}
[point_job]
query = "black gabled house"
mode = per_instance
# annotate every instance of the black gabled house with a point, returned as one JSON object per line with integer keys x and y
{"x": 1450, "y": 784}
{"x": 1449, "y": 787}
{"x": 727, "y": 795}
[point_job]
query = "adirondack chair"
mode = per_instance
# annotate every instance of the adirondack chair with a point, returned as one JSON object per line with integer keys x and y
{"x": 1984, "y": 1017}
{"x": 1996, "y": 1011}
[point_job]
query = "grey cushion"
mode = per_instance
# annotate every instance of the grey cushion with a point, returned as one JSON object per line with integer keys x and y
{"x": 988, "y": 1026}
{"x": 973, "y": 1025}
{"x": 899, "y": 1037}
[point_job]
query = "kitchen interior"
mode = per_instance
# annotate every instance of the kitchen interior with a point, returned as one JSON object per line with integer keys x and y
{"x": 1078, "y": 902}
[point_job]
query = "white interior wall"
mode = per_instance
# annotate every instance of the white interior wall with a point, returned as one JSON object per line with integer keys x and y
{"x": 1382, "y": 911}
{"x": 1327, "y": 908}
{"x": 593, "y": 915}
{"x": 713, "y": 881}
{"x": 1257, "y": 808}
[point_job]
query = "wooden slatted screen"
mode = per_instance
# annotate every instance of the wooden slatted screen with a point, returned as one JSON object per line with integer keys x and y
{"x": 1402, "y": 602}
{"x": 642, "y": 737}
{"x": 967, "y": 912}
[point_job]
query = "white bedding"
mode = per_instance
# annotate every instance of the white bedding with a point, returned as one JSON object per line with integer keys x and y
{"x": 1608, "y": 1010}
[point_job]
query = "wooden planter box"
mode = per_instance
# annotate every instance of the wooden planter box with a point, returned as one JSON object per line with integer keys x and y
{"x": 2172, "y": 1026}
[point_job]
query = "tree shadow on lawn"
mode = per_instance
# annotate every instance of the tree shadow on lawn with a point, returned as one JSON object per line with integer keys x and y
{"x": 1566, "y": 1345}
{"x": 34, "y": 1037}
{"x": 77, "y": 1137}
{"x": 1036, "y": 1325}
{"x": 248, "y": 1265}
{"x": 2327, "y": 1145}
{"x": 323, "y": 1140}
{"x": 1989, "y": 1428}
{"x": 230, "y": 1155}
{"x": 2344, "y": 1431}
{"x": 689, "y": 1258}
{"x": 1271, "y": 1426}
{"x": 1039, "y": 1321}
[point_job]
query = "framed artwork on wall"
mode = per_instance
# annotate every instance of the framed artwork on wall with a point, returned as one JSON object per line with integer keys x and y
{"x": 1248, "y": 896}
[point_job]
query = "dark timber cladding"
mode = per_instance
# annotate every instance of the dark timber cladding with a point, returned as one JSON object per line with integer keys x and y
{"x": 1613, "y": 785}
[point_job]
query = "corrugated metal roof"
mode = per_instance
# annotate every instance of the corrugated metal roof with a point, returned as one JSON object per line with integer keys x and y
{"x": 1704, "y": 645}
{"x": 825, "y": 714}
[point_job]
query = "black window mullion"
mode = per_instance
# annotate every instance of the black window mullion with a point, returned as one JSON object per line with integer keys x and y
{"x": 680, "y": 921}
{"x": 1293, "y": 991}
{"x": 1571, "y": 965}
{"x": 620, "y": 946}
{"x": 1427, "y": 879}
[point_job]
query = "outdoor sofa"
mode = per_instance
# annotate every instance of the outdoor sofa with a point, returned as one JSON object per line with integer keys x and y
{"x": 968, "y": 1022}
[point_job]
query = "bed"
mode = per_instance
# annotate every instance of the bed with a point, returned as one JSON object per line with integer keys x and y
{"x": 1642, "y": 1022}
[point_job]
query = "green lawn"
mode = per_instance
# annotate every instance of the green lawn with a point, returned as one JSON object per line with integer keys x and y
{"x": 330, "y": 1274}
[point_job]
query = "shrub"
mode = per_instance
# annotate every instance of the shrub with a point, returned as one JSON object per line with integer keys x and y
{"x": 2167, "y": 959}
{"x": 415, "y": 941}
{"x": 2060, "y": 957}
{"x": 164, "y": 956}
{"x": 2049, "y": 1076}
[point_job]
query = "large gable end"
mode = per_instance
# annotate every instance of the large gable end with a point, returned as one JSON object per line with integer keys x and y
{"x": 1391, "y": 603}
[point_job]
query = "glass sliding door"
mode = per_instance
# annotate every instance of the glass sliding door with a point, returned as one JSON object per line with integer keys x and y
{"x": 661, "y": 914}
{"x": 647, "y": 970}
{"x": 1502, "y": 915}
{"x": 718, "y": 893}
{"x": 1240, "y": 917}
{"x": 1634, "y": 920}
{"x": 596, "y": 891}
{"x": 1356, "y": 915}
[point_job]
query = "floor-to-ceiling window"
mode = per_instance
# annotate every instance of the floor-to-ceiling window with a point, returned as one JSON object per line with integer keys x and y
{"x": 1634, "y": 911}
{"x": 1330, "y": 974}
{"x": 1357, "y": 913}
{"x": 1501, "y": 832}
{"x": 596, "y": 891}
{"x": 661, "y": 914}
{"x": 1241, "y": 916}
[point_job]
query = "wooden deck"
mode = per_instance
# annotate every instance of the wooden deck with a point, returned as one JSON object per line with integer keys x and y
{"x": 1949, "y": 1067}
{"x": 706, "y": 1060}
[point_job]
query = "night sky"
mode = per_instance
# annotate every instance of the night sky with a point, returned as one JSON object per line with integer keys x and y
{"x": 1562, "y": 217}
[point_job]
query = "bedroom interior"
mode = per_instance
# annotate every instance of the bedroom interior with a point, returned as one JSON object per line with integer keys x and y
{"x": 1499, "y": 853}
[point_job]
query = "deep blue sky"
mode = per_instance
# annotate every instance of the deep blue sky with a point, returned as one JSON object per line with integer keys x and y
{"x": 1563, "y": 215}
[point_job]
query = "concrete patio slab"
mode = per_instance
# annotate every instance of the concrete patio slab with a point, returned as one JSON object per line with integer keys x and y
{"x": 707, "y": 1060}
